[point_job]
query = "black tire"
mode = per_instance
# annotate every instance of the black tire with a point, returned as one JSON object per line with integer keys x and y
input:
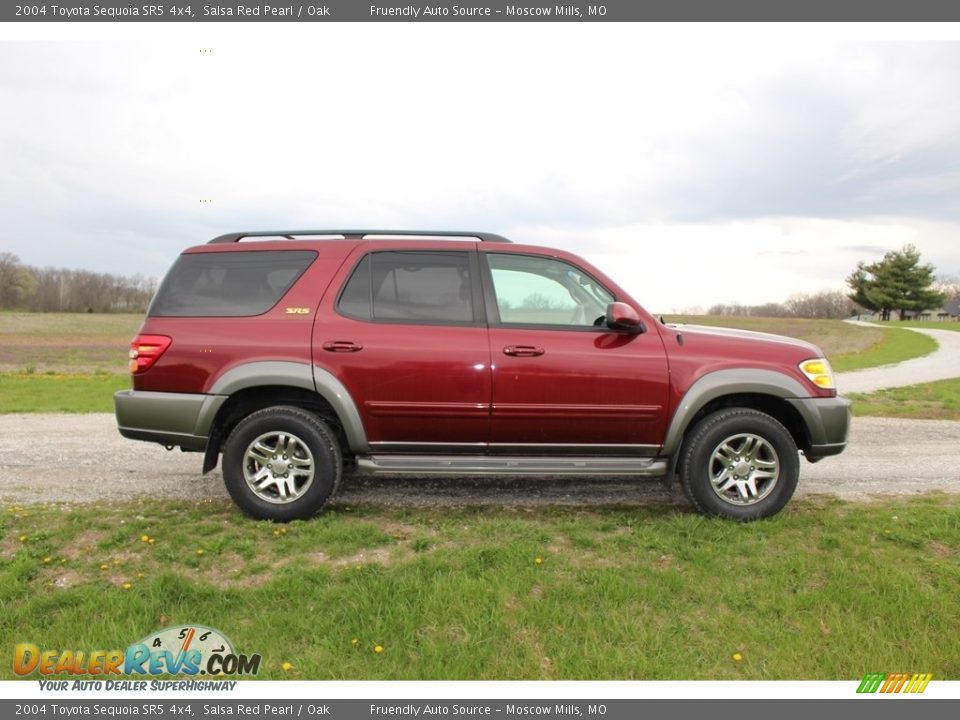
{"x": 733, "y": 453}
{"x": 284, "y": 487}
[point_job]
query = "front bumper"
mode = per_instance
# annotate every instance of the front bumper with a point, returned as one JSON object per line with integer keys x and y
{"x": 171, "y": 419}
{"x": 828, "y": 424}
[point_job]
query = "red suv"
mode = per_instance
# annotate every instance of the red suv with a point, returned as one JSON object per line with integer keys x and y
{"x": 295, "y": 353}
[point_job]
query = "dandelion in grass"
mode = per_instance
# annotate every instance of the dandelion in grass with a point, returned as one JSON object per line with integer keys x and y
{"x": 737, "y": 657}
{"x": 22, "y": 538}
{"x": 104, "y": 567}
{"x": 144, "y": 538}
{"x": 287, "y": 667}
{"x": 378, "y": 649}
{"x": 47, "y": 560}
{"x": 538, "y": 560}
{"x": 355, "y": 642}
{"x": 127, "y": 586}
{"x": 200, "y": 551}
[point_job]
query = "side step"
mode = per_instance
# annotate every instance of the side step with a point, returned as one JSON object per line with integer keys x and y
{"x": 509, "y": 465}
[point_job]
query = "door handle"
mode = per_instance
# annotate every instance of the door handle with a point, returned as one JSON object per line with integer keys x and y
{"x": 342, "y": 346}
{"x": 523, "y": 350}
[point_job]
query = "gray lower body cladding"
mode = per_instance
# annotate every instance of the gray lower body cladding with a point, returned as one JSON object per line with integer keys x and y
{"x": 182, "y": 419}
{"x": 827, "y": 421}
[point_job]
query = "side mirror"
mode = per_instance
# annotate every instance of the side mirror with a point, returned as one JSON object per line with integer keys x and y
{"x": 623, "y": 318}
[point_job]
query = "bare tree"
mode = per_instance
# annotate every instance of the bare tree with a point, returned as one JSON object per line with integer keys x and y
{"x": 17, "y": 283}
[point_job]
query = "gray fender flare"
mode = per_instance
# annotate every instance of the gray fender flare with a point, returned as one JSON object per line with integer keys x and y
{"x": 727, "y": 382}
{"x": 300, "y": 375}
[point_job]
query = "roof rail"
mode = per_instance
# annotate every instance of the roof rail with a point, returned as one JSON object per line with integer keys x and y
{"x": 358, "y": 234}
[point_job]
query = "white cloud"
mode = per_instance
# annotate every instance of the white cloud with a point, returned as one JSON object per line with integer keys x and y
{"x": 738, "y": 162}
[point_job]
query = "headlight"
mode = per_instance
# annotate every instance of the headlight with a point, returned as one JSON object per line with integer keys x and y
{"x": 819, "y": 372}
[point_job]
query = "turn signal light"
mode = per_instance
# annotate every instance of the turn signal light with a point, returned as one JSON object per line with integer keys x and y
{"x": 145, "y": 350}
{"x": 819, "y": 373}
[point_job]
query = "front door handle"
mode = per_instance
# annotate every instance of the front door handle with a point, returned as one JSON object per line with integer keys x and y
{"x": 523, "y": 350}
{"x": 342, "y": 346}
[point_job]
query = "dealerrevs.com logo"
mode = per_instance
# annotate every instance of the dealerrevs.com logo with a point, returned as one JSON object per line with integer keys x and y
{"x": 180, "y": 650}
{"x": 888, "y": 683}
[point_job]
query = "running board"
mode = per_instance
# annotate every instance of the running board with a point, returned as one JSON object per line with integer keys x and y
{"x": 509, "y": 465}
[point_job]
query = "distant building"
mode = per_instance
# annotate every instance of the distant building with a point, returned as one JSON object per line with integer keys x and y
{"x": 949, "y": 311}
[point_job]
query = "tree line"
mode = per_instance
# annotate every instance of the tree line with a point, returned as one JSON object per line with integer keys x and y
{"x": 51, "y": 289}
{"x": 830, "y": 304}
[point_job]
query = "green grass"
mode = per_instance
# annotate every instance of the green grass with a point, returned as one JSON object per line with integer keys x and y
{"x": 826, "y": 590}
{"x": 936, "y": 400}
{"x": 24, "y": 392}
{"x": 65, "y": 342}
{"x": 928, "y": 325}
{"x": 895, "y": 346}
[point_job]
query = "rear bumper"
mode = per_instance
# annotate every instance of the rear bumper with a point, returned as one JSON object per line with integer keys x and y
{"x": 178, "y": 419}
{"x": 828, "y": 424}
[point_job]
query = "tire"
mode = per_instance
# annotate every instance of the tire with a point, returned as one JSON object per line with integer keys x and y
{"x": 282, "y": 463}
{"x": 739, "y": 463}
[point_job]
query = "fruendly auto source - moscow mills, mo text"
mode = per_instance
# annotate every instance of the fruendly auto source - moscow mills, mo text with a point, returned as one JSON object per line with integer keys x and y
{"x": 491, "y": 11}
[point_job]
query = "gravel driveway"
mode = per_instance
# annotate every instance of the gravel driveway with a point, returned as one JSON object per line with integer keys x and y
{"x": 80, "y": 458}
{"x": 941, "y": 364}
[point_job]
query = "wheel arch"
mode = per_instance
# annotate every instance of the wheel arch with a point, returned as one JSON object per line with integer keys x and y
{"x": 254, "y": 386}
{"x": 768, "y": 391}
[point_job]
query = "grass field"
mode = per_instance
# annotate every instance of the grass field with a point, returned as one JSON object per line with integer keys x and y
{"x": 20, "y": 392}
{"x": 937, "y": 400}
{"x": 928, "y": 325}
{"x": 69, "y": 343}
{"x": 826, "y": 590}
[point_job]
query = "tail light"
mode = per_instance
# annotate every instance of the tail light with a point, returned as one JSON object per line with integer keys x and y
{"x": 145, "y": 350}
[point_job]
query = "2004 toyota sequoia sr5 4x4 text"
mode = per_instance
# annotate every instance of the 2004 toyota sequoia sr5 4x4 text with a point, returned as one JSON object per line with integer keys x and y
{"x": 292, "y": 353}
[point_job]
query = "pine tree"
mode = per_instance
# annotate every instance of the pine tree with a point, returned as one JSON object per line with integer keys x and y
{"x": 898, "y": 282}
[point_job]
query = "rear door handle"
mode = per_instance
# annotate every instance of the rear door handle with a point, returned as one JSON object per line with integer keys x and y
{"x": 342, "y": 346}
{"x": 523, "y": 350}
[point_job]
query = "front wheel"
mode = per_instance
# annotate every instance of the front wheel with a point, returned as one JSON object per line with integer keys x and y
{"x": 739, "y": 463}
{"x": 281, "y": 463}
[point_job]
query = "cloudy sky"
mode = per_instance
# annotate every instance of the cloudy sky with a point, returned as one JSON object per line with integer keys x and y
{"x": 698, "y": 164}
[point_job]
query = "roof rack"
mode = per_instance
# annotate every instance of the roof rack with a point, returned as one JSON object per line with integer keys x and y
{"x": 358, "y": 234}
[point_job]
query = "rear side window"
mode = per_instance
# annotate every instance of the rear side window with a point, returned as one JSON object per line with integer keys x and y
{"x": 412, "y": 287}
{"x": 228, "y": 284}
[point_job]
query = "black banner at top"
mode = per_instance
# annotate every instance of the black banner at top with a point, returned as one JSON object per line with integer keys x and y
{"x": 481, "y": 11}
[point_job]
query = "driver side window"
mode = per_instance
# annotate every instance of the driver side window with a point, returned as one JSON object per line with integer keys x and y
{"x": 534, "y": 290}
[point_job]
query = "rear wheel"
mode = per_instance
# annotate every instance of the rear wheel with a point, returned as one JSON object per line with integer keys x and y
{"x": 739, "y": 463}
{"x": 282, "y": 463}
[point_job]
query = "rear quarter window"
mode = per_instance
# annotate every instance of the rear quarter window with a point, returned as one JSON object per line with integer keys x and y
{"x": 228, "y": 284}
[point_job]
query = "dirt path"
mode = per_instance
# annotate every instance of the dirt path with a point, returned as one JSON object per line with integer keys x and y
{"x": 941, "y": 364}
{"x": 81, "y": 458}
